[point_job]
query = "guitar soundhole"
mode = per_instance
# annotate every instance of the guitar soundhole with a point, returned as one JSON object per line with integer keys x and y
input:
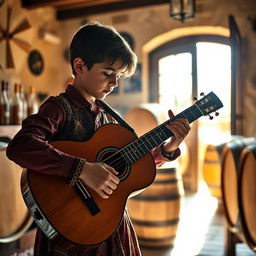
{"x": 113, "y": 158}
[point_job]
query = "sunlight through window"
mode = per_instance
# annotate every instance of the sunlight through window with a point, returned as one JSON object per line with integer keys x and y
{"x": 175, "y": 81}
{"x": 213, "y": 74}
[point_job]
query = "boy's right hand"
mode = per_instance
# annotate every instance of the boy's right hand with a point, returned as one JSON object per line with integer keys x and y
{"x": 100, "y": 177}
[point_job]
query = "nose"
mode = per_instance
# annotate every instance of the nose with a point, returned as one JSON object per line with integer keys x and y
{"x": 114, "y": 81}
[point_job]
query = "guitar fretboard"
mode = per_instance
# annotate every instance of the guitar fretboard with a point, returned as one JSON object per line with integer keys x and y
{"x": 141, "y": 146}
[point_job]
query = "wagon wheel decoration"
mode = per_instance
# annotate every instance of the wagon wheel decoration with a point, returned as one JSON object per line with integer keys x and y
{"x": 8, "y": 36}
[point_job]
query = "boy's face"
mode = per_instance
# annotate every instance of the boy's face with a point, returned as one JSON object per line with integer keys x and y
{"x": 100, "y": 80}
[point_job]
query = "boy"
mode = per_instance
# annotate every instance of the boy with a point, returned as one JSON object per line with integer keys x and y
{"x": 99, "y": 57}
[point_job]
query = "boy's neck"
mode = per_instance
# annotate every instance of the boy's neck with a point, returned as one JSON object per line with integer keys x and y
{"x": 86, "y": 96}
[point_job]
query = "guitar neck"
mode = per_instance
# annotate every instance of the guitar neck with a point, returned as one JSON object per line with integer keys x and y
{"x": 141, "y": 146}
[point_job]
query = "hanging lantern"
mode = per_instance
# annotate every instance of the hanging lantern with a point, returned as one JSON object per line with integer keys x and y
{"x": 182, "y": 9}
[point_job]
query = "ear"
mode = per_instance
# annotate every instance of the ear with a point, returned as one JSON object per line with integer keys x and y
{"x": 79, "y": 65}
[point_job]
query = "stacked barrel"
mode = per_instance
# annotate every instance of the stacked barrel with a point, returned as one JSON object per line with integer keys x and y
{"x": 17, "y": 233}
{"x": 235, "y": 186}
{"x": 155, "y": 212}
{"x": 247, "y": 194}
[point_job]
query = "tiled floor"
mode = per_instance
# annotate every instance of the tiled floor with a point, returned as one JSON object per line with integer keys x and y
{"x": 201, "y": 230}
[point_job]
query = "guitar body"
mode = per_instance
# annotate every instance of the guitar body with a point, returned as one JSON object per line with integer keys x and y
{"x": 57, "y": 207}
{"x": 78, "y": 213}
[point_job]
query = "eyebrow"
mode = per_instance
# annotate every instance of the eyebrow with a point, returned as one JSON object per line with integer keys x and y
{"x": 115, "y": 70}
{"x": 109, "y": 68}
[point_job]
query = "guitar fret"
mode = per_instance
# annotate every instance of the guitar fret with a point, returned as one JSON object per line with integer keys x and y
{"x": 192, "y": 113}
{"x": 148, "y": 141}
{"x": 144, "y": 144}
{"x": 152, "y": 136}
{"x": 157, "y": 137}
{"x": 138, "y": 149}
{"x": 129, "y": 154}
{"x": 144, "y": 147}
{"x": 164, "y": 132}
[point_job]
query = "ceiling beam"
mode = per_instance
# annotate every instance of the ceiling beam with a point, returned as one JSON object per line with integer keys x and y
{"x": 64, "y": 4}
{"x": 68, "y": 9}
{"x": 105, "y": 8}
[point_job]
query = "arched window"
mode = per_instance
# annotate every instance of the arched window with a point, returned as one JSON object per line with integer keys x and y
{"x": 183, "y": 68}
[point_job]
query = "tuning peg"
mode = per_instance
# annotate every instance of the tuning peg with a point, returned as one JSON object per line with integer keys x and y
{"x": 216, "y": 113}
{"x": 195, "y": 98}
{"x": 202, "y": 94}
{"x": 210, "y": 117}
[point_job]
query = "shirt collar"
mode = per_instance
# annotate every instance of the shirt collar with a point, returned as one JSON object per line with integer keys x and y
{"x": 79, "y": 100}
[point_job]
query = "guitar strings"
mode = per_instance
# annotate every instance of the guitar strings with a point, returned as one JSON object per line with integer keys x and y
{"x": 126, "y": 148}
{"x": 119, "y": 161}
{"x": 126, "y": 151}
{"x": 118, "y": 164}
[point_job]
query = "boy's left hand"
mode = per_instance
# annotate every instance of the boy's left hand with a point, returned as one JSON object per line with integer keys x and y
{"x": 180, "y": 128}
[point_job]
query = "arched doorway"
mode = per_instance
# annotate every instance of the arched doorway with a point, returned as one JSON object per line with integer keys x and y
{"x": 182, "y": 68}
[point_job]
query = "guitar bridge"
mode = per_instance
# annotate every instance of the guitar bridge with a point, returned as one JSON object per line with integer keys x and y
{"x": 86, "y": 197}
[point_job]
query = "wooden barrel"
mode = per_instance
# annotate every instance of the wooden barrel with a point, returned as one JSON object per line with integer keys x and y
{"x": 146, "y": 117}
{"x": 212, "y": 169}
{"x": 230, "y": 180}
{"x": 247, "y": 195}
{"x": 155, "y": 212}
{"x": 14, "y": 216}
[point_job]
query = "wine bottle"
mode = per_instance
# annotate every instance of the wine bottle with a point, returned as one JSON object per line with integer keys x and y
{"x": 17, "y": 106}
{"x": 32, "y": 101}
{"x": 5, "y": 104}
{"x": 24, "y": 102}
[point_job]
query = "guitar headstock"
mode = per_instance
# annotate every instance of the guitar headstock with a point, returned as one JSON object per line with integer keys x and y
{"x": 208, "y": 104}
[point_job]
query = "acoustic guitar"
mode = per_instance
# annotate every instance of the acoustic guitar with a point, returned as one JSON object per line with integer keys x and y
{"x": 78, "y": 213}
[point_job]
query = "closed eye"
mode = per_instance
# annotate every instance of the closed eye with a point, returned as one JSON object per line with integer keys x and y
{"x": 113, "y": 75}
{"x": 107, "y": 74}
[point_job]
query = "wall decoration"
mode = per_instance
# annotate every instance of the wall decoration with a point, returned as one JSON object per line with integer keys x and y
{"x": 8, "y": 36}
{"x": 133, "y": 84}
{"x": 35, "y": 62}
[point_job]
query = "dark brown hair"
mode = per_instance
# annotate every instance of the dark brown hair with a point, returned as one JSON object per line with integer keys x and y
{"x": 97, "y": 43}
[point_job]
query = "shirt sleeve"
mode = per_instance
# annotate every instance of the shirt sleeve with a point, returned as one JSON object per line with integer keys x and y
{"x": 160, "y": 158}
{"x": 30, "y": 148}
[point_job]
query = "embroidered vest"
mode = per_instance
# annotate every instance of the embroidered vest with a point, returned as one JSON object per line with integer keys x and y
{"x": 79, "y": 125}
